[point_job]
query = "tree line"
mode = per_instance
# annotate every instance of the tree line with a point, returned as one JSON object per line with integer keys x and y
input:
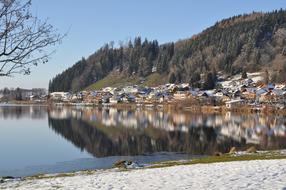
{"x": 8, "y": 94}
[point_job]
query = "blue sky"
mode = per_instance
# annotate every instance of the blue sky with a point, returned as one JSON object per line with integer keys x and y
{"x": 91, "y": 23}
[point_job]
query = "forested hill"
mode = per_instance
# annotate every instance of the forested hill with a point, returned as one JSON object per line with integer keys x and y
{"x": 242, "y": 43}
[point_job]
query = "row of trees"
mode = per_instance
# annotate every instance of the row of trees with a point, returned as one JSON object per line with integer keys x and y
{"x": 19, "y": 93}
{"x": 9, "y": 94}
{"x": 134, "y": 58}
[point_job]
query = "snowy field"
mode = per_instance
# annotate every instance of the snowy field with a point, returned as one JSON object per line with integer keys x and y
{"x": 268, "y": 174}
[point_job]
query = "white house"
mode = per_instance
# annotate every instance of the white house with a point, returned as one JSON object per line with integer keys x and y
{"x": 59, "y": 95}
{"x": 180, "y": 95}
{"x": 234, "y": 103}
{"x": 130, "y": 89}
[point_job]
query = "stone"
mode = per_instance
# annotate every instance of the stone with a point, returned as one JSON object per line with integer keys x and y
{"x": 126, "y": 164}
{"x": 121, "y": 163}
{"x": 8, "y": 178}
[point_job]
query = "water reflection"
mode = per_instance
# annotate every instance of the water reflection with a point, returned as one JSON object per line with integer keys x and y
{"x": 20, "y": 112}
{"x": 110, "y": 131}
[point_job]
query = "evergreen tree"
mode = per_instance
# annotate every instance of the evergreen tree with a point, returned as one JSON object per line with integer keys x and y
{"x": 18, "y": 94}
{"x": 195, "y": 80}
{"x": 266, "y": 76}
{"x": 209, "y": 82}
{"x": 172, "y": 78}
{"x": 244, "y": 75}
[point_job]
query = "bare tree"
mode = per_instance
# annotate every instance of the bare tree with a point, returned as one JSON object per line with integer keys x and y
{"x": 24, "y": 38}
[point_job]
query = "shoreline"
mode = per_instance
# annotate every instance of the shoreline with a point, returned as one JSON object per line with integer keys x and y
{"x": 196, "y": 109}
{"x": 230, "y": 175}
{"x": 235, "y": 156}
{"x": 180, "y": 105}
{"x": 204, "y": 109}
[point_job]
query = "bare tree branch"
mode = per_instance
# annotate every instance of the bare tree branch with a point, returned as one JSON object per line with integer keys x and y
{"x": 23, "y": 38}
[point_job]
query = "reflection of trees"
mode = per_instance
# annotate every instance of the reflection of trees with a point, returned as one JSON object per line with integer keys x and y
{"x": 272, "y": 142}
{"x": 110, "y": 141}
{"x": 18, "y": 112}
{"x": 107, "y": 132}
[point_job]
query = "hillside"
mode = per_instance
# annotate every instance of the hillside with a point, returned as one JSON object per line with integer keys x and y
{"x": 253, "y": 42}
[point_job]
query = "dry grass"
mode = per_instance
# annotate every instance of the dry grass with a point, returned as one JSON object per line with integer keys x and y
{"x": 224, "y": 158}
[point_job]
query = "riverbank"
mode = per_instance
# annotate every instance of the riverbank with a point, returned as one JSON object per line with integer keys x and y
{"x": 262, "y": 170}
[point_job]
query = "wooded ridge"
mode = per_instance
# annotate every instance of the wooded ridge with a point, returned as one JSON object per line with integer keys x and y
{"x": 249, "y": 42}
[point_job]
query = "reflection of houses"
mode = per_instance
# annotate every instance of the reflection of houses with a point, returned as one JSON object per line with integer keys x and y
{"x": 242, "y": 129}
{"x": 232, "y": 130}
{"x": 115, "y": 141}
{"x": 179, "y": 118}
{"x": 17, "y": 112}
{"x": 1, "y": 96}
{"x": 280, "y": 130}
{"x": 60, "y": 113}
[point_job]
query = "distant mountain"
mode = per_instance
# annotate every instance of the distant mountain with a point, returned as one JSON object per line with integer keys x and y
{"x": 252, "y": 42}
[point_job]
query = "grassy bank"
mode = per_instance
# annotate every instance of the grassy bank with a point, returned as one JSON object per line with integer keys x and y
{"x": 119, "y": 80}
{"x": 269, "y": 155}
{"x": 113, "y": 80}
{"x": 263, "y": 155}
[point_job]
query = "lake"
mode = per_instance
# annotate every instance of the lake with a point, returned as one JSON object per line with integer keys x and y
{"x": 38, "y": 139}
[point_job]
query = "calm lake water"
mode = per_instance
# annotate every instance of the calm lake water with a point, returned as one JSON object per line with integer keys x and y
{"x": 37, "y": 139}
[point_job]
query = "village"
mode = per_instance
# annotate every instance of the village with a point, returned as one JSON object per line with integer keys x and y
{"x": 230, "y": 94}
{"x": 234, "y": 93}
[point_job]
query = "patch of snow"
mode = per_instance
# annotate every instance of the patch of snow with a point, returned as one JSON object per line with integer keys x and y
{"x": 255, "y": 77}
{"x": 258, "y": 174}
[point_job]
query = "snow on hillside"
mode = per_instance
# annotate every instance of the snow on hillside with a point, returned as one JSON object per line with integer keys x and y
{"x": 257, "y": 76}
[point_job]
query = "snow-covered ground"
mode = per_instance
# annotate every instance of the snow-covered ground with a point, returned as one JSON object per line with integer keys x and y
{"x": 267, "y": 174}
